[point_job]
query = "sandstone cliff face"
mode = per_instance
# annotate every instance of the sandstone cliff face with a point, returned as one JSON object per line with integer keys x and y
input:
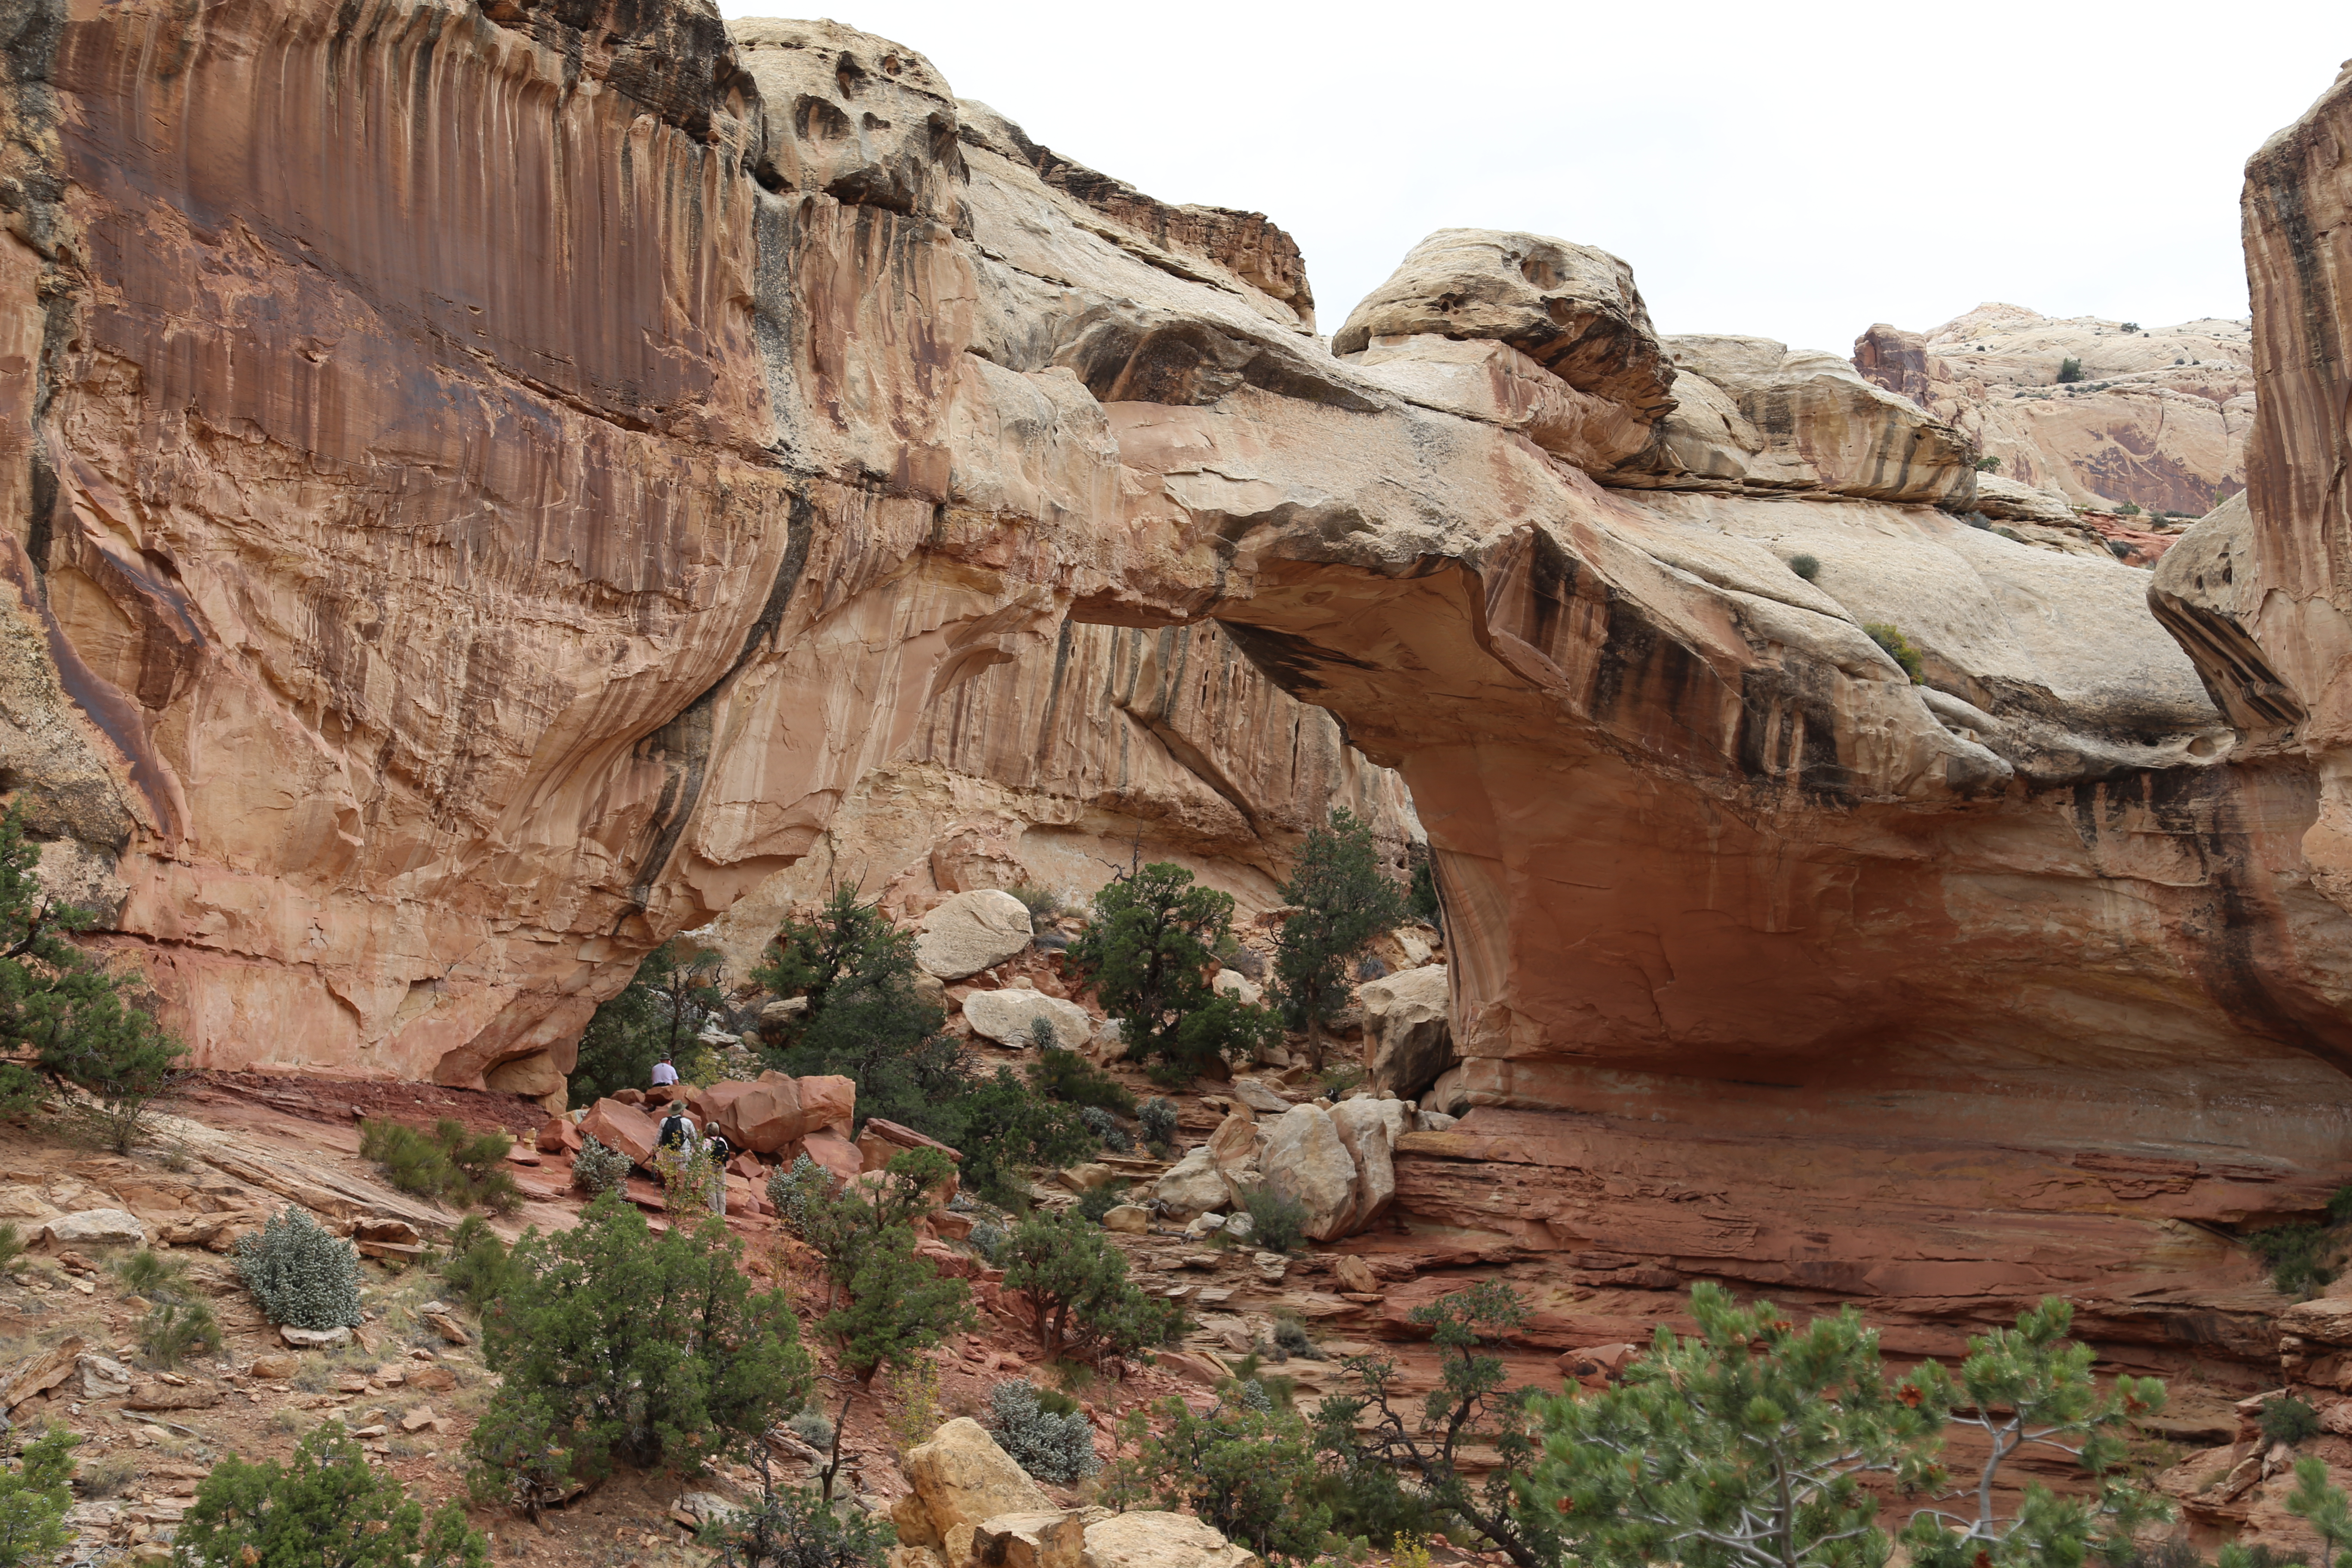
{"x": 471, "y": 526}
{"x": 2160, "y": 418}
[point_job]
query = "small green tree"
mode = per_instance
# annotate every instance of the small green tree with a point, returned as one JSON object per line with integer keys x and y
{"x": 2027, "y": 1387}
{"x": 62, "y": 1017}
{"x": 1075, "y": 1283}
{"x": 886, "y": 1305}
{"x": 617, "y": 1345}
{"x": 656, "y": 1014}
{"x": 1469, "y": 1405}
{"x": 1741, "y": 1447}
{"x": 33, "y": 1497}
{"x": 1988, "y": 465}
{"x": 2322, "y": 1507}
{"x": 1244, "y": 1466}
{"x": 2069, "y": 370}
{"x": 1343, "y": 900}
{"x": 1148, "y": 952}
{"x": 329, "y": 1509}
{"x": 794, "y": 1528}
{"x": 1420, "y": 897}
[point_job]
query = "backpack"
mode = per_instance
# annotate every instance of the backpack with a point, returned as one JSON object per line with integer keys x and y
{"x": 720, "y": 1149}
{"x": 673, "y": 1133}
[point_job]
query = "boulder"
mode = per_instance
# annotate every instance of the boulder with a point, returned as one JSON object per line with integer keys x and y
{"x": 40, "y": 1373}
{"x": 1355, "y": 1275}
{"x": 1241, "y": 987}
{"x": 100, "y": 1227}
{"x": 313, "y": 1339}
{"x": 1233, "y": 1146}
{"x": 970, "y": 932}
{"x": 1413, "y": 942}
{"x": 1128, "y": 1219}
{"x": 102, "y": 1377}
{"x": 765, "y": 1116}
{"x": 1260, "y": 1095}
{"x": 1054, "y": 1540}
{"x": 623, "y": 1127}
{"x": 1305, "y": 1162}
{"x": 1193, "y": 1185}
{"x": 829, "y": 1104}
{"x": 559, "y": 1135}
{"x": 837, "y": 1154}
{"x": 1571, "y": 308}
{"x": 1407, "y": 1029}
{"x": 782, "y": 1013}
{"x": 1369, "y": 1130}
{"x": 961, "y": 1477}
{"x": 879, "y": 1140}
{"x": 1006, "y": 1016}
{"x": 1149, "y": 1539}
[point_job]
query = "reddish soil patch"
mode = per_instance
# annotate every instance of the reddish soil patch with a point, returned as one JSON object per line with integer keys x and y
{"x": 344, "y": 1101}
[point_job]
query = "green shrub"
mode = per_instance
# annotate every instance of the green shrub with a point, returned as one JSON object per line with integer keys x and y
{"x": 1147, "y": 953}
{"x": 1096, "y": 1202}
{"x": 2288, "y": 1420}
{"x": 1077, "y": 1284}
{"x": 596, "y": 1169}
{"x": 812, "y": 1427}
{"x": 2131, "y": 326}
{"x": 1246, "y": 1467}
{"x": 988, "y": 1239}
{"x": 2069, "y": 370}
{"x": 12, "y": 1244}
{"x": 302, "y": 1277}
{"x": 1420, "y": 894}
{"x": 479, "y": 1264}
{"x": 148, "y": 1273}
{"x": 448, "y": 1164}
{"x": 33, "y": 1497}
{"x": 792, "y": 1189}
{"x": 1898, "y": 648}
{"x": 1277, "y": 1223}
{"x": 1988, "y": 465}
{"x": 1158, "y": 1118}
{"x": 1053, "y": 1446}
{"x": 1105, "y": 1126}
{"x": 1071, "y": 1078}
{"x": 1806, "y": 566}
{"x": 1343, "y": 898}
{"x": 2303, "y": 1257}
{"x": 330, "y": 1506}
{"x": 1292, "y": 1337}
{"x": 793, "y": 1527}
{"x": 616, "y": 1345}
{"x": 2127, "y": 509}
{"x": 173, "y": 1330}
{"x": 64, "y": 1020}
{"x": 885, "y": 1304}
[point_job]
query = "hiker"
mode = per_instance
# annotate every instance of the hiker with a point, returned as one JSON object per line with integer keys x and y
{"x": 720, "y": 1153}
{"x": 665, "y": 1074}
{"x": 677, "y": 1129}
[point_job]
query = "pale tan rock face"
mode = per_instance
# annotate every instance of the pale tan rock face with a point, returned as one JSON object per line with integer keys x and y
{"x": 2159, "y": 419}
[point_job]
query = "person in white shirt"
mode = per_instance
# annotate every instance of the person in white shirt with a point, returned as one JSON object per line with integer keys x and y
{"x": 664, "y": 1074}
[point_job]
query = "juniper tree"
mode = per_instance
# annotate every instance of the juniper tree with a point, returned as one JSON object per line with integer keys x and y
{"x": 63, "y": 1017}
{"x": 1343, "y": 901}
{"x": 329, "y": 1506}
{"x": 1076, "y": 1285}
{"x": 1147, "y": 953}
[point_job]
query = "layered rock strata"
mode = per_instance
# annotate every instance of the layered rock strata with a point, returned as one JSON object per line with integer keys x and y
{"x": 471, "y": 526}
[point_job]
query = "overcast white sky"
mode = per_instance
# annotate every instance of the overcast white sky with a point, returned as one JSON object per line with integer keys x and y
{"x": 1796, "y": 171}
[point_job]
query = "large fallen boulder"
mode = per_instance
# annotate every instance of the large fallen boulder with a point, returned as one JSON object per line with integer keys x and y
{"x": 1407, "y": 1030}
{"x": 97, "y": 1228}
{"x": 971, "y": 931}
{"x": 1009, "y": 1017}
{"x": 765, "y": 1115}
{"x": 961, "y": 1477}
{"x": 829, "y": 1104}
{"x": 1055, "y": 1540}
{"x": 879, "y": 1140}
{"x": 1369, "y": 1130}
{"x": 622, "y": 1127}
{"x": 1149, "y": 1539}
{"x": 1193, "y": 1185}
{"x": 1305, "y": 1162}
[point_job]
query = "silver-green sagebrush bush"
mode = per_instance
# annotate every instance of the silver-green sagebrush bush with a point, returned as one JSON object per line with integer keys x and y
{"x": 303, "y": 1277}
